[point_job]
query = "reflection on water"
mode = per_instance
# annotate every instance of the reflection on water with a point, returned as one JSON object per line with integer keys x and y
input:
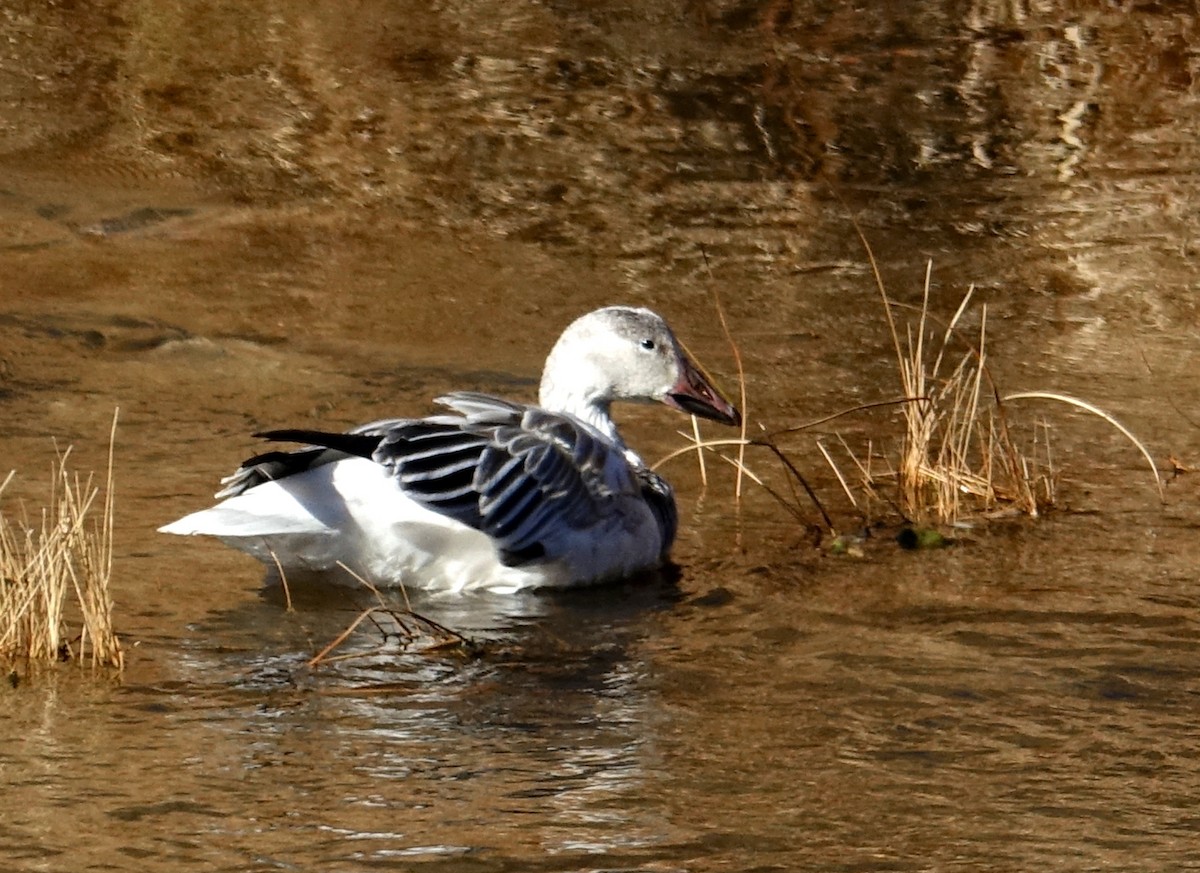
{"x": 225, "y": 218}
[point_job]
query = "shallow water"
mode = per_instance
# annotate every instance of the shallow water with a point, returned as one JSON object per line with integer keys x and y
{"x": 233, "y": 216}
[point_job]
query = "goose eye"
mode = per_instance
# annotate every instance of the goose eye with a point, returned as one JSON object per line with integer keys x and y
{"x": 648, "y": 345}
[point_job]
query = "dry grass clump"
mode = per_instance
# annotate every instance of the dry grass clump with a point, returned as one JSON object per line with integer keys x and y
{"x": 957, "y": 455}
{"x": 54, "y": 575}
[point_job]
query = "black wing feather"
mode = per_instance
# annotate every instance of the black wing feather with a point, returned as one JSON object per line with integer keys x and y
{"x": 361, "y": 445}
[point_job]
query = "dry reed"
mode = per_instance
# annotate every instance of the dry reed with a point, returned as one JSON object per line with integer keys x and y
{"x": 55, "y": 603}
{"x": 957, "y": 456}
{"x": 958, "y": 453}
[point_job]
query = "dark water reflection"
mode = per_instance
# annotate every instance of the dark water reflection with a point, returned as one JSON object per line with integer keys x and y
{"x": 228, "y": 216}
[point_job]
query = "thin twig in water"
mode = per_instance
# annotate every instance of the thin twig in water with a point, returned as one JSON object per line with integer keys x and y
{"x": 287, "y": 592}
{"x": 409, "y": 626}
{"x": 322, "y": 655}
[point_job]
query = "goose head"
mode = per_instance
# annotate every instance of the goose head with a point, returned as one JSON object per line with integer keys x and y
{"x": 626, "y": 353}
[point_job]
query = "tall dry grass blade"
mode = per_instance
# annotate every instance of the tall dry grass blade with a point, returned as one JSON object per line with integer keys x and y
{"x": 699, "y": 454}
{"x": 836, "y": 472}
{"x": 741, "y": 373}
{"x": 1097, "y": 411}
{"x": 919, "y": 357}
{"x": 1049, "y": 480}
{"x": 864, "y": 470}
{"x": 744, "y": 402}
{"x": 98, "y": 609}
{"x": 887, "y": 309}
{"x": 950, "y": 328}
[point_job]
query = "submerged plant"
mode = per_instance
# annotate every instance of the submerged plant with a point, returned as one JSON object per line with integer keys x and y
{"x": 55, "y": 603}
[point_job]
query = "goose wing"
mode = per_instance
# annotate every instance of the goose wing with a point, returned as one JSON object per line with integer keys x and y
{"x": 521, "y": 474}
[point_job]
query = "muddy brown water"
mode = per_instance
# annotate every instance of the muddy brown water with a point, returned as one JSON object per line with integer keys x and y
{"x": 228, "y": 216}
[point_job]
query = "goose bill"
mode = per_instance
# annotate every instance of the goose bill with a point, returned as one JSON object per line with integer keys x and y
{"x": 694, "y": 394}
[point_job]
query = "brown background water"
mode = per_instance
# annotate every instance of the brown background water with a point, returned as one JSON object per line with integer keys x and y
{"x": 225, "y": 216}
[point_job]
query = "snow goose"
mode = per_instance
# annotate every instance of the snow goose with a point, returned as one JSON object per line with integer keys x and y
{"x": 494, "y": 495}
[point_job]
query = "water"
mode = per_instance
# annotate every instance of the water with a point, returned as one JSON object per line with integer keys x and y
{"x": 232, "y": 217}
